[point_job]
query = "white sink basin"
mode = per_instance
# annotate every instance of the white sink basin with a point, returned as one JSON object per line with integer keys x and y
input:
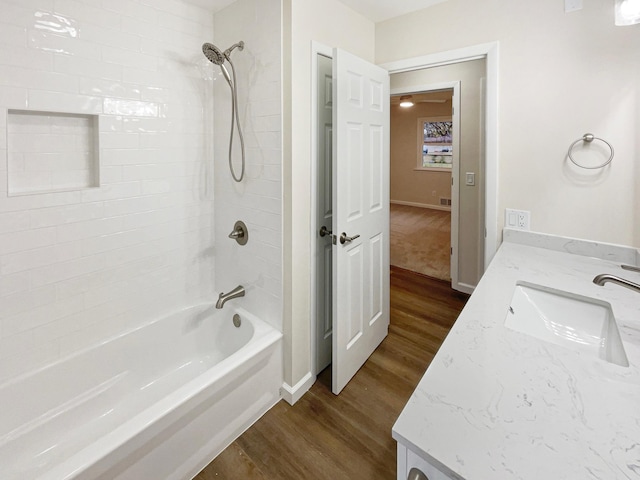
{"x": 573, "y": 321}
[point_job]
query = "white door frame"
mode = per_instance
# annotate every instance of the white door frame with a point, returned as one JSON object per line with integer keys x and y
{"x": 455, "y": 173}
{"x": 489, "y": 51}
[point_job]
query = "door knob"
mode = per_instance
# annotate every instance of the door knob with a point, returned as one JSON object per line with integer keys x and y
{"x": 324, "y": 231}
{"x": 344, "y": 238}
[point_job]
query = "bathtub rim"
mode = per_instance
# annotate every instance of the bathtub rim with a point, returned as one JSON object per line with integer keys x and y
{"x": 259, "y": 326}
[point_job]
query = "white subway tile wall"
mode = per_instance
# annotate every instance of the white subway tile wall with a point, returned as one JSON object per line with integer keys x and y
{"x": 257, "y": 201}
{"x": 77, "y": 267}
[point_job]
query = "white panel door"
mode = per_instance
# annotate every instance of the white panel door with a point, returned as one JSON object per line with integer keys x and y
{"x": 360, "y": 213}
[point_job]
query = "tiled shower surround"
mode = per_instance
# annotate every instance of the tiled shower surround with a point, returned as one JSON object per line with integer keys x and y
{"x": 258, "y": 199}
{"x": 80, "y": 265}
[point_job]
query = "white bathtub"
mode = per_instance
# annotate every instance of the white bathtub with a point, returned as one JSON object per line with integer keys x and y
{"x": 159, "y": 402}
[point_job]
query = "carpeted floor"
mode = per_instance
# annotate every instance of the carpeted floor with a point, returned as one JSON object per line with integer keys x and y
{"x": 421, "y": 240}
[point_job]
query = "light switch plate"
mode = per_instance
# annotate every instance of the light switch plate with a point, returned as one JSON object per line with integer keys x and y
{"x": 470, "y": 179}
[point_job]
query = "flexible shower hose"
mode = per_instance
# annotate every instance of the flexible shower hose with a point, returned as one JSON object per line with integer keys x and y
{"x": 235, "y": 121}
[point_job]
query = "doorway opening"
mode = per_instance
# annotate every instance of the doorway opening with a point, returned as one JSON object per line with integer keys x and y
{"x": 467, "y": 172}
{"x": 422, "y": 158}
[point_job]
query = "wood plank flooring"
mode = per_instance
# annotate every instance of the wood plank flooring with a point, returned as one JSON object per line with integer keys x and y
{"x": 328, "y": 437}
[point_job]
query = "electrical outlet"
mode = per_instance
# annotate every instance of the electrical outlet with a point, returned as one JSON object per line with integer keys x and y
{"x": 523, "y": 220}
{"x": 518, "y": 219}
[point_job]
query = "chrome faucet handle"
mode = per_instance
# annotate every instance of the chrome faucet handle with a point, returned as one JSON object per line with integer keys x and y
{"x": 240, "y": 233}
{"x": 237, "y": 233}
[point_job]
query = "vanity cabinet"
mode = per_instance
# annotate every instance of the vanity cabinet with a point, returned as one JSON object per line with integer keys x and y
{"x": 407, "y": 459}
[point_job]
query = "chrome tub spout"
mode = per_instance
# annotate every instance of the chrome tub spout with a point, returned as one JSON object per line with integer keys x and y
{"x": 224, "y": 297}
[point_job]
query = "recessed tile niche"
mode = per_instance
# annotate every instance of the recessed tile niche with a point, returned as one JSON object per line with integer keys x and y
{"x": 50, "y": 152}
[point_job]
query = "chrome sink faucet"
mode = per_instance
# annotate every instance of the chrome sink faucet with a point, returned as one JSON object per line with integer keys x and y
{"x": 224, "y": 297}
{"x": 605, "y": 277}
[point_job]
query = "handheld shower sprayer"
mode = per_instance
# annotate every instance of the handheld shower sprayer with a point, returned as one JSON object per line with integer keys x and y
{"x": 213, "y": 53}
{"x": 218, "y": 57}
{"x": 226, "y": 75}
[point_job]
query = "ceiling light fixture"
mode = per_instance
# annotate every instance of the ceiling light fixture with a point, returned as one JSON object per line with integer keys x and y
{"x": 627, "y": 12}
{"x": 406, "y": 101}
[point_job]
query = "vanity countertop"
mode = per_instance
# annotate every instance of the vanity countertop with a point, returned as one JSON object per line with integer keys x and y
{"x": 499, "y": 404}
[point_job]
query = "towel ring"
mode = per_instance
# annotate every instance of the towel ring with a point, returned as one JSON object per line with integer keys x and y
{"x": 588, "y": 138}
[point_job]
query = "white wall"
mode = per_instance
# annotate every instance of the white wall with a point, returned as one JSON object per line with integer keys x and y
{"x": 257, "y": 200}
{"x": 561, "y": 75}
{"x": 79, "y": 266}
{"x": 334, "y": 25}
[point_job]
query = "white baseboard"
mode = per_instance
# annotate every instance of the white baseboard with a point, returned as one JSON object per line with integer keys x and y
{"x": 292, "y": 394}
{"x": 466, "y": 288}
{"x": 422, "y": 205}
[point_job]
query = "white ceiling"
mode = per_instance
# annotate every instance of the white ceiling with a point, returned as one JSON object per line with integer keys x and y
{"x": 380, "y": 10}
{"x": 374, "y": 10}
{"x": 213, "y": 5}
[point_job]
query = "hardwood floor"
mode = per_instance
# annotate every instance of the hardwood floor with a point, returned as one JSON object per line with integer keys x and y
{"x": 348, "y": 436}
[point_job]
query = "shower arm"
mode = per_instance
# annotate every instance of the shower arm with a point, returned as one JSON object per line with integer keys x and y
{"x": 239, "y": 45}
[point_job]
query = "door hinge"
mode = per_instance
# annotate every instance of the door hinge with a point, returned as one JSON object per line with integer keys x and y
{"x": 451, "y": 251}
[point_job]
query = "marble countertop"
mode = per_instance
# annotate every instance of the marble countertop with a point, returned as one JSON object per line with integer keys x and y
{"x": 499, "y": 404}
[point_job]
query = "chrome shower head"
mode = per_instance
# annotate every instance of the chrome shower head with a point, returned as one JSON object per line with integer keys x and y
{"x": 217, "y": 56}
{"x": 213, "y": 53}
